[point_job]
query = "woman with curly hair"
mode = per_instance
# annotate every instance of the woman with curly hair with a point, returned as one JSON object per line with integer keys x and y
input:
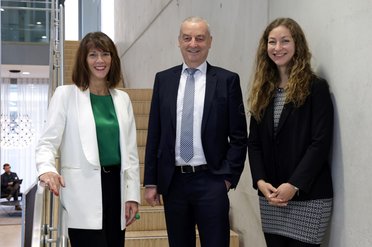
{"x": 290, "y": 139}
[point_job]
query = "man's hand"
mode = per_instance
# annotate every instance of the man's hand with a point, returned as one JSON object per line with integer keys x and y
{"x": 228, "y": 185}
{"x": 52, "y": 180}
{"x": 152, "y": 197}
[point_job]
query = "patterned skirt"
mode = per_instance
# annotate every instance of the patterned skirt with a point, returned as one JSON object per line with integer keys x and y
{"x": 306, "y": 221}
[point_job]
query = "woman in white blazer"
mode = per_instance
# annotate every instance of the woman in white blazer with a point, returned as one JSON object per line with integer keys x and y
{"x": 92, "y": 124}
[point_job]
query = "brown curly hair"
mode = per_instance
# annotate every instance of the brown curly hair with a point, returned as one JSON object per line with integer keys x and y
{"x": 266, "y": 75}
{"x": 81, "y": 72}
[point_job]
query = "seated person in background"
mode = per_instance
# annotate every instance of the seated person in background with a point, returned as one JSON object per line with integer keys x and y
{"x": 10, "y": 184}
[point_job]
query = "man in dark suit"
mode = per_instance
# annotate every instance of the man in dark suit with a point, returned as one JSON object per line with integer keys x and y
{"x": 10, "y": 185}
{"x": 193, "y": 160}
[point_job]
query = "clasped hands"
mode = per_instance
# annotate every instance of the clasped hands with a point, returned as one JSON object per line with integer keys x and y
{"x": 277, "y": 196}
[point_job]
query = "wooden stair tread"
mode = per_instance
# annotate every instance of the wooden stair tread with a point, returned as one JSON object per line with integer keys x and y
{"x": 148, "y": 209}
{"x": 146, "y": 234}
{"x": 158, "y": 234}
{"x": 137, "y": 94}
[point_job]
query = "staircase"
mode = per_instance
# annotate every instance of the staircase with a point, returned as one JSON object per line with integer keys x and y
{"x": 150, "y": 230}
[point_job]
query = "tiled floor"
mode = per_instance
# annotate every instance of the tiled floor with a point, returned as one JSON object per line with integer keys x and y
{"x": 10, "y": 235}
{"x": 10, "y": 226}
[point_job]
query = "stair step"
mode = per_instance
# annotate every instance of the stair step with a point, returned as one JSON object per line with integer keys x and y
{"x": 141, "y": 137}
{"x": 138, "y": 94}
{"x": 70, "y": 48}
{"x": 142, "y": 121}
{"x": 142, "y": 169}
{"x": 141, "y": 154}
{"x": 152, "y": 219}
{"x": 141, "y": 107}
{"x": 160, "y": 239}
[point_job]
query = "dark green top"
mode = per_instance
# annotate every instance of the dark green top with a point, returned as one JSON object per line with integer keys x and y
{"x": 107, "y": 128}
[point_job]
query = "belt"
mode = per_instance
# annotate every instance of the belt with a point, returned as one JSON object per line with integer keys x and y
{"x": 113, "y": 168}
{"x": 191, "y": 169}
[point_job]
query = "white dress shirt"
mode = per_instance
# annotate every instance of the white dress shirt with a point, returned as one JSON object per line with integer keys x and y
{"x": 200, "y": 81}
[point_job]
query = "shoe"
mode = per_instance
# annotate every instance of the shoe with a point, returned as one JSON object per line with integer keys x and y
{"x": 9, "y": 197}
{"x": 18, "y": 208}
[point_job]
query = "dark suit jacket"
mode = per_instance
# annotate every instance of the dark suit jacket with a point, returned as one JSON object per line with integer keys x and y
{"x": 5, "y": 179}
{"x": 224, "y": 128}
{"x": 299, "y": 153}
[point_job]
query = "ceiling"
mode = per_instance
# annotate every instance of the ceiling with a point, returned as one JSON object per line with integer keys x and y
{"x": 26, "y": 71}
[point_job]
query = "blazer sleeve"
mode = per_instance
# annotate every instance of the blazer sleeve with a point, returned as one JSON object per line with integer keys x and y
{"x": 317, "y": 153}
{"x": 153, "y": 138}
{"x": 255, "y": 153}
{"x": 237, "y": 152}
{"x": 50, "y": 140}
{"x": 4, "y": 182}
{"x": 132, "y": 177}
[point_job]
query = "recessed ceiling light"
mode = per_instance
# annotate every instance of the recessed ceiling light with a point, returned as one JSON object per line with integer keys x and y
{"x": 43, "y": 37}
{"x": 38, "y": 22}
{"x": 26, "y": 73}
{"x": 1, "y": 9}
{"x": 14, "y": 70}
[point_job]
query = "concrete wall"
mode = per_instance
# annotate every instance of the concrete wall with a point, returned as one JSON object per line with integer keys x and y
{"x": 25, "y": 53}
{"x": 340, "y": 36}
{"x": 146, "y": 33}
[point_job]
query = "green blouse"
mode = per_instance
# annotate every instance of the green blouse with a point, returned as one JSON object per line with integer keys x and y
{"x": 107, "y": 128}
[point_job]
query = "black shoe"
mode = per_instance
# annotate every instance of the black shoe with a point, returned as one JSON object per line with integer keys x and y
{"x": 18, "y": 208}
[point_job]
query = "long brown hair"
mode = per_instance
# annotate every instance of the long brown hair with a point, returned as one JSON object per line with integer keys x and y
{"x": 81, "y": 72}
{"x": 266, "y": 74}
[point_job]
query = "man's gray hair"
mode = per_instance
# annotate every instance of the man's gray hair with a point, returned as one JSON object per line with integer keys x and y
{"x": 196, "y": 19}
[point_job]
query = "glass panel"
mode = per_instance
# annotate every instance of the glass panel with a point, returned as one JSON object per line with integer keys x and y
{"x": 25, "y": 21}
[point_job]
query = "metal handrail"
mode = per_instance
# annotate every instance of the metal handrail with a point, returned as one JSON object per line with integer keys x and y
{"x": 37, "y": 228}
{"x": 46, "y": 223}
{"x": 43, "y": 220}
{"x": 62, "y": 43}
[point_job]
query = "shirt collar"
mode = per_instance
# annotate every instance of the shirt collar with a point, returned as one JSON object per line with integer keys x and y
{"x": 202, "y": 67}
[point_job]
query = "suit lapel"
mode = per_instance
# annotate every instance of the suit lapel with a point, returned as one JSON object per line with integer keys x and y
{"x": 210, "y": 87}
{"x": 284, "y": 115}
{"x": 172, "y": 93}
{"x": 87, "y": 127}
{"x": 270, "y": 118}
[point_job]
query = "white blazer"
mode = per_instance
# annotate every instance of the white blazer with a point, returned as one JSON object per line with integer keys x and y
{"x": 71, "y": 128}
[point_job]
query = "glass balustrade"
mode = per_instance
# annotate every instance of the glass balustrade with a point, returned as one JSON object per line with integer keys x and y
{"x": 25, "y": 21}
